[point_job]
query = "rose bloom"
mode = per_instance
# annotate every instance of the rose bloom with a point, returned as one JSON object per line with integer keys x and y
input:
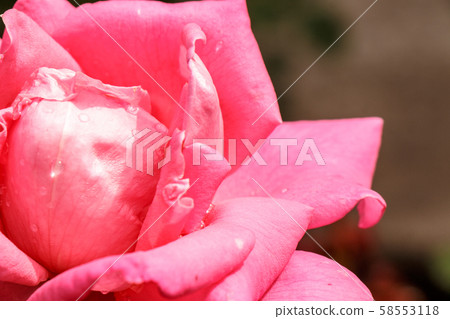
{"x": 80, "y": 86}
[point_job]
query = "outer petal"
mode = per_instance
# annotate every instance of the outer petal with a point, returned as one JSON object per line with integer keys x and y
{"x": 17, "y": 267}
{"x": 25, "y": 48}
{"x": 14, "y": 292}
{"x": 177, "y": 268}
{"x": 309, "y": 276}
{"x": 150, "y": 32}
{"x": 49, "y": 14}
{"x": 278, "y": 227}
{"x": 349, "y": 149}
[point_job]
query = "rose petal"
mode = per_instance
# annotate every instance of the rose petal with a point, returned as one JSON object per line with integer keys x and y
{"x": 278, "y": 226}
{"x": 6, "y": 117}
{"x": 208, "y": 174}
{"x": 349, "y": 149}
{"x": 25, "y": 48}
{"x": 177, "y": 268}
{"x": 69, "y": 194}
{"x": 17, "y": 267}
{"x": 15, "y": 292}
{"x": 49, "y": 14}
{"x": 169, "y": 209}
{"x": 231, "y": 56}
{"x": 312, "y": 277}
{"x": 200, "y": 116}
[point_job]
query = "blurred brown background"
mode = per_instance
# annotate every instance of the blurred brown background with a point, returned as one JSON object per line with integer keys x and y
{"x": 395, "y": 64}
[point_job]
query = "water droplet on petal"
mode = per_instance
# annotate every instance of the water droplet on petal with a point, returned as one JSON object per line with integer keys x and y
{"x": 83, "y": 117}
{"x": 57, "y": 169}
{"x": 17, "y": 112}
{"x": 34, "y": 228}
{"x": 132, "y": 109}
{"x": 160, "y": 127}
{"x": 48, "y": 109}
{"x": 210, "y": 208}
{"x": 202, "y": 224}
{"x": 284, "y": 190}
{"x": 219, "y": 46}
{"x": 7, "y": 203}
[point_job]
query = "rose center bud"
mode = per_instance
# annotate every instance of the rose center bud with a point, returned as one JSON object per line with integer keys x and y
{"x": 70, "y": 193}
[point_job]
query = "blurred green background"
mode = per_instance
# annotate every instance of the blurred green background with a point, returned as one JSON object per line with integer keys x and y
{"x": 395, "y": 64}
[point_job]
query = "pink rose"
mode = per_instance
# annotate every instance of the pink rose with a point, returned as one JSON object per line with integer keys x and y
{"x": 80, "y": 86}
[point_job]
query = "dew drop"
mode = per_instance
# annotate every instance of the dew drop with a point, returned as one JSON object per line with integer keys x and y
{"x": 284, "y": 190}
{"x": 132, "y": 109}
{"x": 83, "y": 117}
{"x": 202, "y": 224}
{"x": 219, "y": 46}
{"x": 210, "y": 208}
{"x": 57, "y": 169}
{"x": 25, "y": 102}
{"x": 7, "y": 204}
{"x": 17, "y": 112}
{"x": 160, "y": 127}
{"x": 48, "y": 109}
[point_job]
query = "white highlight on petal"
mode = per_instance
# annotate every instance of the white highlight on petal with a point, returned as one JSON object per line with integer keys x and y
{"x": 239, "y": 243}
